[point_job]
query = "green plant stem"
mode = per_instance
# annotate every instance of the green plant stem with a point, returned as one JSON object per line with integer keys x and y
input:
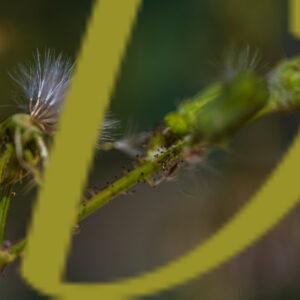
{"x": 143, "y": 172}
{"x": 6, "y": 191}
{"x": 180, "y": 120}
{"x": 4, "y": 208}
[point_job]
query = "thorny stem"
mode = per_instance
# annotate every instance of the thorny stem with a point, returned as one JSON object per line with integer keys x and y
{"x": 143, "y": 172}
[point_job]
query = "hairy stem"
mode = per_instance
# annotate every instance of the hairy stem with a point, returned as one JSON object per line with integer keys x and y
{"x": 143, "y": 172}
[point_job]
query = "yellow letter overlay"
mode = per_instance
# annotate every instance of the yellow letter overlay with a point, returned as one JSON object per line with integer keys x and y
{"x": 55, "y": 214}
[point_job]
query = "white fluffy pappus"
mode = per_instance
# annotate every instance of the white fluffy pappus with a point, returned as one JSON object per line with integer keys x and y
{"x": 44, "y": 83}
{"x": 239, "y": 61}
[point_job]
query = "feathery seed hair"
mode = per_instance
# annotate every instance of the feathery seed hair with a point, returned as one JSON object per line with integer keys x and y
{"x": 44, "y": 84}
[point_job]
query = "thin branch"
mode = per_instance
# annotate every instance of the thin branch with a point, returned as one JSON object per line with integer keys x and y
{"x": 4, "y": 208}
{"x": 211, "y": 116}
{"x": 143, "y": 172}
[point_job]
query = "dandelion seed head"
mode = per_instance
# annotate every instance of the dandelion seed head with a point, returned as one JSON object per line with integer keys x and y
{"x": 44, "y": 83}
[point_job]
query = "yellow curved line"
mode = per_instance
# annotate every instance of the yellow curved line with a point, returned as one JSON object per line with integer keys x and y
{"x": 276, "y": 198}
{"x": 294, "y": 17}
{"x": 51, "y": 230}
{"x": 92, "y": 86}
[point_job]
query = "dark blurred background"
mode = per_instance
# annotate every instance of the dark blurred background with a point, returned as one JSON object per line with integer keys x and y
{"x": 178, "y": 47}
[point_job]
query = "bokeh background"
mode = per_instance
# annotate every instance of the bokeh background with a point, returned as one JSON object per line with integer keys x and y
{"x": 178, "y": 47}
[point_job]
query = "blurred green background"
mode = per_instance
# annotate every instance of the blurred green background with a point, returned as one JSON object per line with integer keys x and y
{"x": 178, "y": 47}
